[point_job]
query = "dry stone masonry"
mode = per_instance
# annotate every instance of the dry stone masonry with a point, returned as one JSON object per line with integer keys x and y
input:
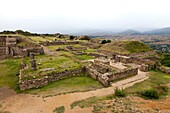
{"x": 9, "y": 48}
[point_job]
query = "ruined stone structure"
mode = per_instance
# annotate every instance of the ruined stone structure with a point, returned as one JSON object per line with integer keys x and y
{"x": 39, "y": 82}
{"x": 9, "y": 48}
{"x": 97, "y": 55}
{"x": 136, "y": 58}
{"x": 90, "y": 45}
{"x": 104, "y": 73}
{"x": 3, "y": 47}
{"x": 164, "y": 69}
{"x": 33, "y": 62}
{"x": 47, "y": 43}
{"x": 123, "y": 59}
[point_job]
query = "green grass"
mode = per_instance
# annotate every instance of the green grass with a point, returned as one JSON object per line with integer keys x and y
{"x": 74, "y": 84}
{"x": 60, "y": 109}
{"x": 38, "y": 39}
{"x": 155, "y": 78}
{"x": 56, "y": 47}
{"x": 59, "y": 63}
{"x": 126, "y": 47}
{"x": 83, "y": 57}
{"x": 9, "y": 70}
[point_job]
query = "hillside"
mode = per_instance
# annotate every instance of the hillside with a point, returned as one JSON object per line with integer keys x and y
{"x": 129, "y": 33}
{"x": 163, "y": 31}
{"x": 126, "y": 47}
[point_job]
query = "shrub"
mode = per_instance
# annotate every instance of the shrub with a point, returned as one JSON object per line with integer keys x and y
{"x": 85, "y": 38}
{"x": 108, "y": 41}
{"x": 105, "y": 41}
{"x": 166, "y": 60}
{"x": 72, "y": 37}
{"x": 151, "y": 94}
{"x": 120, "y": 92}
{"x": 60, "y": 109}
{"x": 162, "y": 89}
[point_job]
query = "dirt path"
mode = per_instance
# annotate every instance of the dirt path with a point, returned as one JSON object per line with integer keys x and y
{"x": 25, "y": 103}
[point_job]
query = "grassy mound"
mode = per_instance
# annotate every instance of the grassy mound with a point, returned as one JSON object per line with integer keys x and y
{"x": 126, "y": 47}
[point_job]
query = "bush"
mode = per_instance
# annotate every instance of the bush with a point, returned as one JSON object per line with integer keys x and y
{"x": 151, "y": 94}
{"x": 72, "y": 37}
{"x": 120, "y": 92}
{"x": 85, "y": 38}
{"x": 60, "y": 109}
{"x": 105, "y": 41}
{"x": 166, "y": 60}
{"x": 162, "y": 89}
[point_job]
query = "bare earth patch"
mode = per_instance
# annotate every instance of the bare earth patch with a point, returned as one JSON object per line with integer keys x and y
{"x": 26, "y": 103}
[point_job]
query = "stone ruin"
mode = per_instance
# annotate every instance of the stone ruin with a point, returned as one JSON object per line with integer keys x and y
{"x": 9, "y": 48}
{"x": 33, "y": 62}
{"x": 145, "y": 64}
{"x": 102, "y": 71}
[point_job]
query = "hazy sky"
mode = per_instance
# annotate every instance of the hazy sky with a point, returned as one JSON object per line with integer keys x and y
{"x": 75, "y": 15}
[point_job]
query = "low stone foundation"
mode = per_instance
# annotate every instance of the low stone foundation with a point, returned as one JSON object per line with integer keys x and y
{"x": 97, "y": 55}
{"x": 164, "y": 69}
{"x": 39, "y": 82}
{"x": 123, "y": 73}
{"x": 106, "y": 78}
{"x": 144, "y": 68}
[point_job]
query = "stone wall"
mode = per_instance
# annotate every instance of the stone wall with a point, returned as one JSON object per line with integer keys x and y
{"x": 2, "y": 47}
{"x": 108, "y": 53}
{"x": 39, "y": 82}
{"x": 58, "y": 43}
{"x": 164, "y": 69}
{"x": 34, "y": 83}
{"x": 98, "y": 76}
{"x": 90, "y": 45}
{"x": 106, "y": 78}
{"x": 123, "y": 73}
{"x": 97, "y": 55}
{"x": 123, "y": 59}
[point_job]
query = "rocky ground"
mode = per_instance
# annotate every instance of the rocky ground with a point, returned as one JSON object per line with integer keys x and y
{"x": 132, "y": 104}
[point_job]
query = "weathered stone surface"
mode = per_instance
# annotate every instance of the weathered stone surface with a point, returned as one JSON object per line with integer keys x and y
{"x": 104, "y": 74}
{"x": 144, "y": 68}
{"x": 33, "y": 62}
{"x": 164, "y": 69}
{"x": 35, "y": 83}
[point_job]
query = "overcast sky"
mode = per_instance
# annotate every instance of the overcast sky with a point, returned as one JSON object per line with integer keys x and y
{"x": 65, "y": 16}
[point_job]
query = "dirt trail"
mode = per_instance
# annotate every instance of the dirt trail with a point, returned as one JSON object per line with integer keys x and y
{"x": 26, "y": 103}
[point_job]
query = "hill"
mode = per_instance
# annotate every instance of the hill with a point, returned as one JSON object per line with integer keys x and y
{"x": 163, "y": 31}
{"x": 126, "y": 47}
{"x": 129, "y": 33}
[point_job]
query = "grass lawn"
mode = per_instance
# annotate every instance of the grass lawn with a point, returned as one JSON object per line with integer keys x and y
{"x": 9, "y": 70}
{"x": 56, "y": 47}
{"x": 155, "y": 78}
{"x": 59, "y": 63}
{"x": 38, "y": 39}
{"x": 74, "y": 84}
{"x": 83, "y": 57}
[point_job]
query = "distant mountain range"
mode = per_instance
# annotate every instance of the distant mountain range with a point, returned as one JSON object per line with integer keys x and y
{"x": 130, "y": 32}
{"x": 163, "y": 31}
